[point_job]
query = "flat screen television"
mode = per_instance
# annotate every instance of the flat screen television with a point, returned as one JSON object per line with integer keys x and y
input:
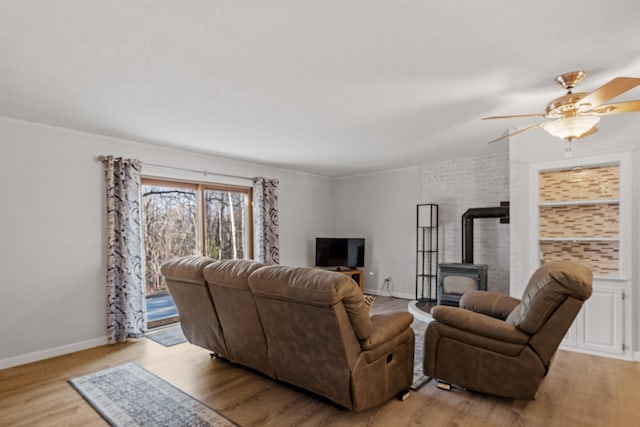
{"x": 339, "y": 252}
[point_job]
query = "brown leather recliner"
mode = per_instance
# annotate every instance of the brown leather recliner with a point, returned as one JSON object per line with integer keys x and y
{"x": 321, "y": 337}
{"x": 503, "y": 346}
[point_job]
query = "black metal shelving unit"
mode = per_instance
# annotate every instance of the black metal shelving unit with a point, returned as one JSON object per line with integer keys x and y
{"x": 426, "y": 252}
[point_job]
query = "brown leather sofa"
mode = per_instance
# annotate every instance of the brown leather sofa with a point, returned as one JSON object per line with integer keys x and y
{"x": 306, "y": 327}
{"x": 503, "y": 346}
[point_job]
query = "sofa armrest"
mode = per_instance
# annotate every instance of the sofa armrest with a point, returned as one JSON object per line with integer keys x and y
{"x": 479, "y": 324}
{"x": 490, "y": 303}
{"x": 388, "y": 328}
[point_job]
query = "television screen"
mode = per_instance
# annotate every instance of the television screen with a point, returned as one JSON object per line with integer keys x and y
{"x": 339, "y": 252}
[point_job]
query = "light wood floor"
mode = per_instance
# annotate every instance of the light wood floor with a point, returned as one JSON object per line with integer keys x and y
{"x": 580, "y": 390}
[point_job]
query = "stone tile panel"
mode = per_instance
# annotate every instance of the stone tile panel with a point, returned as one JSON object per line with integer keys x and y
{"x": 597, "y": 183}
{"x": 602, "y": 257}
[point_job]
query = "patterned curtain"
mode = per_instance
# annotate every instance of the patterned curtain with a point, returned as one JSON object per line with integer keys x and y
{"x": 125, "y": 284}
{"x": 265, "y": 203}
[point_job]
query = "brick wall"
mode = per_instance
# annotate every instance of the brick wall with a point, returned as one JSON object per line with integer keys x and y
{"x": 458, "y": 185}
{"x": 518, "y": 224}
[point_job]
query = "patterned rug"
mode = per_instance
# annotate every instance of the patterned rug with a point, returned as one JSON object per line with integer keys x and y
{"x": 129, "y": 395}
{"x": 168, "y": 336}
{"x": 419, "y": 379}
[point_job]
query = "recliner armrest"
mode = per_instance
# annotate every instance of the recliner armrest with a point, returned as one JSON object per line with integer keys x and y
{"x": 479, "y": 324}
{"x": 388, "y": 329}
{"x": 490, "y": 303}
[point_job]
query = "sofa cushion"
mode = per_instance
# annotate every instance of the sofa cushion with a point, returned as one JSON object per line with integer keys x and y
{"x": 313, "y": 286}
{"x": 493, "y": 304}
{"x": 231, "y": 273}
{"x": 186, "y": 269}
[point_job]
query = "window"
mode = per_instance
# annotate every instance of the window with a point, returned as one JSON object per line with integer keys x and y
{"x": 184, "y": 218}
{"x": 226, "y": 223}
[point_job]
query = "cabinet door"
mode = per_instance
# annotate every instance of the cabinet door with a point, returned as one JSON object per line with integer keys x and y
{"x": 602, "y": 320}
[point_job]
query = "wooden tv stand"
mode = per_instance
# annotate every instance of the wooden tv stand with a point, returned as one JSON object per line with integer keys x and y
{"x": 356, "y": 274}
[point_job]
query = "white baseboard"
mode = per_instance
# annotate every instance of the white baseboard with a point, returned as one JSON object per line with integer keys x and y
{"x": 624, "y": 356}
{"x": 636, "y": 356}
{"x": 387, "y": 294}
{"x": 51, "y": 352}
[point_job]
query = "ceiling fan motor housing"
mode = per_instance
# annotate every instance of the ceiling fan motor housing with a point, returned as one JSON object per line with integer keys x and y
{"x": 566, "y": 105}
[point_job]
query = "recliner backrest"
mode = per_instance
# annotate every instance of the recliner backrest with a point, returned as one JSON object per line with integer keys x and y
{"x": 549, "y": 287}
{"x": 315, "y": 287}
{"x": 235, "y": 305}
{"x": 313, "y": 320}
{"x": 198, "y": 316}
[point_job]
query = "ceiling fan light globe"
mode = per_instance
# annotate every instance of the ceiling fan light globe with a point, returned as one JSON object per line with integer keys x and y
{"x": 571, "y": 127}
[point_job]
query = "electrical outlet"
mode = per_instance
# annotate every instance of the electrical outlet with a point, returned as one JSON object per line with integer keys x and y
{"x": 387, "y": 284}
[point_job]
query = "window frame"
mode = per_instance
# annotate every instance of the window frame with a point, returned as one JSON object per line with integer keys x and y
{"x": 200, "y": 188}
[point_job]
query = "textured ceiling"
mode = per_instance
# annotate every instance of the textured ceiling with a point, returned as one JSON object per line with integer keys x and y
{"x": 331, "y": 87}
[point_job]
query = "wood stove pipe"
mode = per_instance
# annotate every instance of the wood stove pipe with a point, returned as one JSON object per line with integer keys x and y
{"x": 501, "y": 212}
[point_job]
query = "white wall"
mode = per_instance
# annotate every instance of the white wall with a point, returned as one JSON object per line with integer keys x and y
{"x": 381, "y": 208}
{"x": 52, "y": 224}
{"x": 473, "y": 182}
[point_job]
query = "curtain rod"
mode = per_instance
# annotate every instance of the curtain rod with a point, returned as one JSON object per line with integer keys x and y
{"x": 204, "y": 172}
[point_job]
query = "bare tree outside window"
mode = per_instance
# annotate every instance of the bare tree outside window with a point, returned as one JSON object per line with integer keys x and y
{"x": 170, "y": 224}
{"x": 225, "y": 224}
{"x": 182, "y": 219}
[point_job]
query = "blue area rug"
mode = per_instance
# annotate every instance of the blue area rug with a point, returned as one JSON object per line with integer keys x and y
{"x": 129, "y": 395}
{"x": 168, "y": 336}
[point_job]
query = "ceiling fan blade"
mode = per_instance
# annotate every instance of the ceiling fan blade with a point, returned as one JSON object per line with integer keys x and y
{"x": 513, "y": 116}
{"x": 589, "y": 132}
{"x": 610, "y": 90}
{"x": 520, "y": 131}
{"x": 621, "y": 107}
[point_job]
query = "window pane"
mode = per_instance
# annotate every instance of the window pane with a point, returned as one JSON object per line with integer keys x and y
{"x": 225, "y": 222}
{"x": 169, "y": 217}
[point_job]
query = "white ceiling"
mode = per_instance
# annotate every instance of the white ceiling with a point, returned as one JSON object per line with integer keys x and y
{"x": 332, "y": 87}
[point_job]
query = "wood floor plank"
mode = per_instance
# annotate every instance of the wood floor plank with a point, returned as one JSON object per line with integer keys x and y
{"x": 580, "y": 390}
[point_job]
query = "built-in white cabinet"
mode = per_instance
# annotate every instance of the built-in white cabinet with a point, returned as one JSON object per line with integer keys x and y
{"x": 603, "y": 320}
{"x": 599, "y": 327}
{"x": 581, "y": 211}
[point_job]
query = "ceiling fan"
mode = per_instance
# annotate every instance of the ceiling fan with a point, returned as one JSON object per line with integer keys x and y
{"x": 575, "y": 115}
